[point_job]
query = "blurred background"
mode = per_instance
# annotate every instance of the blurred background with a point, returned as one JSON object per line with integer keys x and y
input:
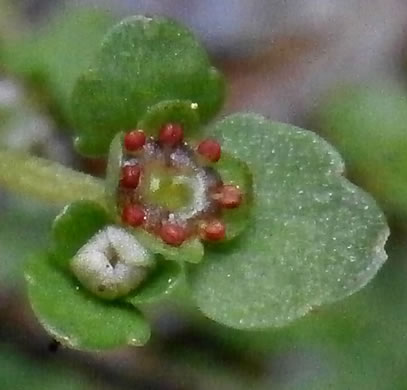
{"x": 336, "y": 67}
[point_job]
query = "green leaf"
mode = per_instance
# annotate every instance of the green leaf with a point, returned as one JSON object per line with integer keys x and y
{"x": 142, "y": 62}
{"x": 236, "y": 172}
{"x": 57, "y": 54}
{"x": 76, "y": 224}
{"x": 368, "y": 126}
{"x": 171, "y": 111}
{"x": 76, "y": 318}
{"x": 314, "y": 237}
{"x": 159, "y": 284}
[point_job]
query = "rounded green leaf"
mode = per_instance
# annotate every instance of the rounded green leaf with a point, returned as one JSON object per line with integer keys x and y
{"x": 142, "y": 62}
{"x": 314, "y": 237}
{"x": 88, "y": 112}
{"x": 161, "y": 283}
{"x": 368, "y": 126}
{"x": 236, "y": 172}
{"x": 73, "y": 227}
{"x": 171, "y": 111}
{"x": 76, "y": 318}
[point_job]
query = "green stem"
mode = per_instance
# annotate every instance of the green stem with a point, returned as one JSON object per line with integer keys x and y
{"x": 47, "y": 180}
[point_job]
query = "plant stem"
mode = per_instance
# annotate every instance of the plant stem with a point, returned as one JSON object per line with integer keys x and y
{"x": 47, "y": 180}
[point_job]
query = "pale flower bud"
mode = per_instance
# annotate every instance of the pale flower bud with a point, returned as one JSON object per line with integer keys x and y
{"x": 112, "y": 263}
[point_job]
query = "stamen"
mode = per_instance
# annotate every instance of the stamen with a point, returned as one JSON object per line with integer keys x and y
{"x": 173, "y": 234}
{"x": 134, "y": 140}
{"x": 133, "y": 215}
{"x": 210, "y": 149}
{"x": 213, "y": 230}
{"x": 130, "y": 176}
{"x": 229, "y": 197}
{"x": 171, "y": 134}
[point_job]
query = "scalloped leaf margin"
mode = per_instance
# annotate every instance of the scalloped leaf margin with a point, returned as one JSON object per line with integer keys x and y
{"x": 142, "y": 62}
{"x": 314, "y": 237}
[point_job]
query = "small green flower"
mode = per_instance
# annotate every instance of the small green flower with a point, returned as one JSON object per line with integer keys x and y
{"x": 252, "y": 217}
{"x": 186, "y": 191}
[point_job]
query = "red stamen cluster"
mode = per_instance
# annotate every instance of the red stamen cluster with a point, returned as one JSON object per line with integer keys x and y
{"x": 208, "y": 224}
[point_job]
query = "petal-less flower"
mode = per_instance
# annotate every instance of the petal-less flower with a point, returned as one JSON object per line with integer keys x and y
{"x": 254, "y": 216}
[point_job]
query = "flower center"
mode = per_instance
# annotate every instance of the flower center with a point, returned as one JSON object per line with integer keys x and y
{"x": 172, "y": 189}
{"x": 163, "y": 187}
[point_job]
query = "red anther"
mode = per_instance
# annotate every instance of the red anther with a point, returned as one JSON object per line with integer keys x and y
{"x": 133, "y": 215}
{"x": 171, "y": 134}
{"x": 213, "y": 230}
{"x": 173, "y": 234}
{"x": 210, "y": 149}
{"x": 230, "y": 197}
{"x": 130, "y": 176}
{"x": 134, "y": 140}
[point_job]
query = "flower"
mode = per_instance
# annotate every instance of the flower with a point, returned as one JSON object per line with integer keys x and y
{"x": 164, "y": 197}
{"x": 252, "y": 217}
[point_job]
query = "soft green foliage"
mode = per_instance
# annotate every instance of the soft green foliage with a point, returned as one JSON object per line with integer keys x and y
{"x": 368, "y": 125}
{"x": 161, "y": 283}
{"x": 142, "y": 62}
{"x": 54, "y": 57}
{"x": 76, "y": 225}
{"x": 76, "y": 318}
{"x": 314, "y": 237}
{"x": 356, "y": 343}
